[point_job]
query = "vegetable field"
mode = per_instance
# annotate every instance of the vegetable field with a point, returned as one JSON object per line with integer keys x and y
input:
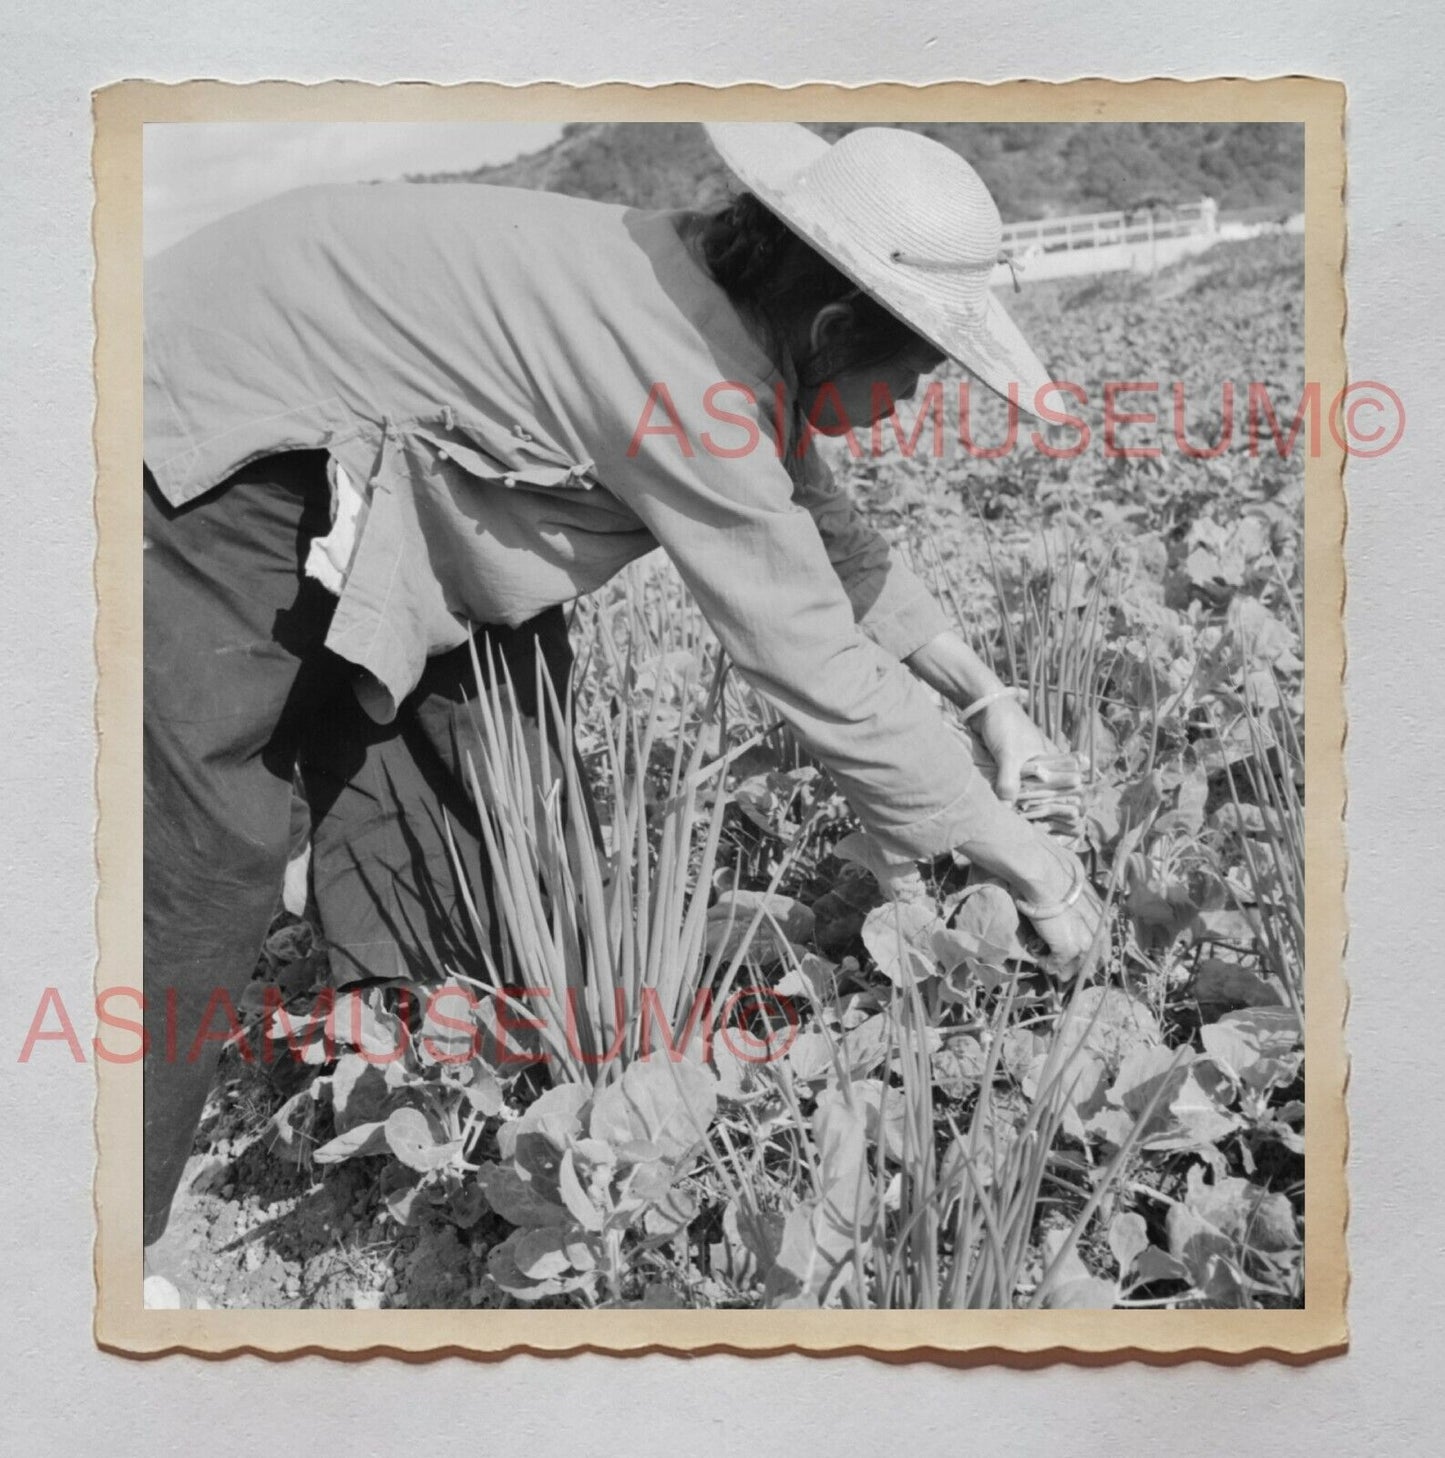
{"x": 713, "y": 1064}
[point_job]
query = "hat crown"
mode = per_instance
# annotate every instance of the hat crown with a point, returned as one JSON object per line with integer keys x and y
{"x": 910, "y": 196}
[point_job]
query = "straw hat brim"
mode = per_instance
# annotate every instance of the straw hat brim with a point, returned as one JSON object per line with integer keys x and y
{"x": 768, "y": 158}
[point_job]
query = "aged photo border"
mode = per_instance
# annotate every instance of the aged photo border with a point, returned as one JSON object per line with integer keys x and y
{"x": 1025, "y": 1337}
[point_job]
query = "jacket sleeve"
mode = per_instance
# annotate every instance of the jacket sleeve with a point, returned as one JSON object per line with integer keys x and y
{"x": 890, "y": 604}
{"x": 756, "y": 562}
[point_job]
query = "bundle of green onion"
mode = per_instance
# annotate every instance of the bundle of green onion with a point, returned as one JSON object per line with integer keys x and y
{"x": 1051, "y": 793}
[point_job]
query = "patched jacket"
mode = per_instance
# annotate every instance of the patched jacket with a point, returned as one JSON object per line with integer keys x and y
{"x": 532, "y": 391}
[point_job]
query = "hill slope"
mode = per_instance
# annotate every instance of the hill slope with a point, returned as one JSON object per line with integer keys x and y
{"x": 1034, "y": 170}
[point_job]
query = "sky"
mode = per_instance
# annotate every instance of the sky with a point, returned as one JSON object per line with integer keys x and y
{"x": 196, "y": 172}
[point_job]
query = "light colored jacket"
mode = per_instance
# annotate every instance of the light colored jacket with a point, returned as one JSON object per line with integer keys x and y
{"x": 480, "y": 361}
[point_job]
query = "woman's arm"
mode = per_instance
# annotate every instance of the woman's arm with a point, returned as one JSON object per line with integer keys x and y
{"x": 948, "y": 665}
{"x": 898, "y": 612}
{"x": 890, "y": 604}
{"x": 757, "y": 564}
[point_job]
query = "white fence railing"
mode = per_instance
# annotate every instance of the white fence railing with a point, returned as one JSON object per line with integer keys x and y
{"x": 1143, "y": 239}
{"x": 1111, "y": 230}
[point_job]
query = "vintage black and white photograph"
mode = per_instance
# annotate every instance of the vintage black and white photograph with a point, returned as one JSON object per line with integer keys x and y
{"x": 724, "y": 715}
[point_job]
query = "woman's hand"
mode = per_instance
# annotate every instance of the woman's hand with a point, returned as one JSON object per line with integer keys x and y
{"x": 1038, "y": 870}
{"x": 1048, "y": 882}
{"x": 1013, "y": 739}
{"x": 1071, "y": 935}
{"x": 1062, "y": 907}
{"x": 948, "y": 665}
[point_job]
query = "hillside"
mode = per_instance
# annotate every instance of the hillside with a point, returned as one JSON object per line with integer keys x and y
{"x": 1034, "y": 170}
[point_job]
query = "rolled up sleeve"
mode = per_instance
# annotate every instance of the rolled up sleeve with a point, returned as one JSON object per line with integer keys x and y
{"x": 755, "y": 560}
{"x": 889, "y": 603}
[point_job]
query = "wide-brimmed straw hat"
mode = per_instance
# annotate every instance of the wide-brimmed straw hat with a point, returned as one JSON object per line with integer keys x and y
{"x": 908, "y": 221}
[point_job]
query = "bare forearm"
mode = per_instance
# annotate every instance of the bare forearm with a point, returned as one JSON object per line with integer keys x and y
{"x": 1006, "y": 845}
{"x": 999, "y": 840}
{"x": 949, "y": 666}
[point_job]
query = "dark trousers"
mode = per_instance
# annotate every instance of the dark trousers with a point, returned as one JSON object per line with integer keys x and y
{"x": 240, "y": 695}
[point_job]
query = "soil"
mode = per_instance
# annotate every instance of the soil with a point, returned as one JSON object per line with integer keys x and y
{"x": 254, "y": 1226}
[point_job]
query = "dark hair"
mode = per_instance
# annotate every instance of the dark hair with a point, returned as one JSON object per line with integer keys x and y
{"x": 765, "y": 267}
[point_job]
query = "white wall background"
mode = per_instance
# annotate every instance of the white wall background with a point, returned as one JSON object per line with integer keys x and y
{"x": 60, "y": 1395}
